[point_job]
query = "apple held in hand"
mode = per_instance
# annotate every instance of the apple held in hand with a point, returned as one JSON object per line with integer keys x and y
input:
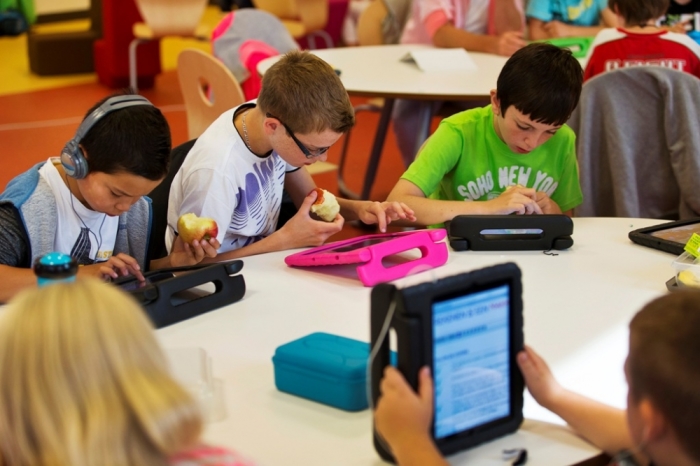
{"x": 190, "y": 228}
{"x": 326, "y": 206}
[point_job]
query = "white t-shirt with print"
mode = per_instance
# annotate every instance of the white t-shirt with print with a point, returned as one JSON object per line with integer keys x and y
{"x": 222, "y": 179}
{"x": 87, "y": 235}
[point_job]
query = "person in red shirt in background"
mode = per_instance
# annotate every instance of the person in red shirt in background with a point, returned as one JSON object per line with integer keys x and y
{"x": 639, "y": 42}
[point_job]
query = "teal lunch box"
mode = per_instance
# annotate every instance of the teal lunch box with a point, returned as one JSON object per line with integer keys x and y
{"x": 326, "y": 368}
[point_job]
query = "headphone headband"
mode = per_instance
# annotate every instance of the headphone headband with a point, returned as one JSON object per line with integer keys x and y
{"x": 72, "y": 158}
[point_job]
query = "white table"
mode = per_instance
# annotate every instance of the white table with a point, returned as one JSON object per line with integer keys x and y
{"x": 577, "y": 307}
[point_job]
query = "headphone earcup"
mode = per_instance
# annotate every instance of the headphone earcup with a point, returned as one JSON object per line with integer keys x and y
{"x": 73, "y": 161}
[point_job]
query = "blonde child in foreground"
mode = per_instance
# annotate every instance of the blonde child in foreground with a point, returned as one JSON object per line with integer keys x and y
{"x": 85, "y": 383}
{"x": 660, "y": 427}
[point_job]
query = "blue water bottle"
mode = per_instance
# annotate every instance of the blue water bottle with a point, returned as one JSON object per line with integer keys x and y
{"x": 55, "y": 267}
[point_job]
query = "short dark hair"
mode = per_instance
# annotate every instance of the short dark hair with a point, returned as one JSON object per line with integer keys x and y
{"x": 133, "y": 140}
{"x": 639, "y": 12}
{"x": 663, "y": 362}
{"x": 542, "y": 81}
{"x": 306, "y": 94}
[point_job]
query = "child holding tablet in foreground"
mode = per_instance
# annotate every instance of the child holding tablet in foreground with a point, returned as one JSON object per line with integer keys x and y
{"x": 513, "y": 156}
{"x": 660, "y": 426}
{"x": 86, "y": 383}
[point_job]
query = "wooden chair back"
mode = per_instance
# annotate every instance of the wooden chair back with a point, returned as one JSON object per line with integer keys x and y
{"x": 208, "y": 89}
{"x": 369, "y": 24}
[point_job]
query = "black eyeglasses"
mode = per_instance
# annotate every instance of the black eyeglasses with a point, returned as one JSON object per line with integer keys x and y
{"x": 308, "y": 153}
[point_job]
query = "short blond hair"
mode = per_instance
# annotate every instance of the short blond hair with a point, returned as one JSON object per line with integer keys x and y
{"x": 306, "y": 94}
{"x": 84, "y": 382}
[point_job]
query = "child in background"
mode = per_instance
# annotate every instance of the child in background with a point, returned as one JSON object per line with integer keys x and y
{"x": 514, "y": 156}
{"x": 490, "y": 26}
{"x": 682, "y": 16}
{"x": 90, "y": 203}
{"x": 639, "y": 42}
{"x": 549, "y": 19}
{"x": 86, "y": 383}
{"x": 660, "y": 425}
{"x": 238, "y": 167}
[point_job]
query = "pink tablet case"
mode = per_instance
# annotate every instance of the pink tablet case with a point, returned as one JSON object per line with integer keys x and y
{"x": 371, "y": 269}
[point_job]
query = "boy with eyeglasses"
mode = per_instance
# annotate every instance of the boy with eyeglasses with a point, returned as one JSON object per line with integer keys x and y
{"x": 238, "y": 168}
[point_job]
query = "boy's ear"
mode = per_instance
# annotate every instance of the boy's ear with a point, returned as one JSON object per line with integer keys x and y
{"x": 655, "y": 424}
{"x": 495, "y": 103}
{"x": 270, "y": 125}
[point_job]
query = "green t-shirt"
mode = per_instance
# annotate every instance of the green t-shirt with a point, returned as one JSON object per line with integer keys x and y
{"x": 466, "y": 160}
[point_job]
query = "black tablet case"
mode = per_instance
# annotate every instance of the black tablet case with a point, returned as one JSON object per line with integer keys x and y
{"x": 165, "y": 305}
{"x": 643, "y": 236}
{"x": 465, "y": 232}
{"x": 412, "y": 322}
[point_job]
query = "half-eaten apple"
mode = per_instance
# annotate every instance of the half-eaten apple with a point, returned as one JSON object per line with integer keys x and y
{"x": 326, "y": 206}
{"x": 190, "y": 228}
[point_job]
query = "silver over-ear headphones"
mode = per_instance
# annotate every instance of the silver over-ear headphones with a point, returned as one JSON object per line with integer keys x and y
{"x": 72, "y": 158}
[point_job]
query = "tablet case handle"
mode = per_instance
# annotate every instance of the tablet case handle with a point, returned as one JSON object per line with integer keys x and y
{"x": 157, "y": 299}
{"x": 433, "y": 255}
{"x": 408, "y": 342}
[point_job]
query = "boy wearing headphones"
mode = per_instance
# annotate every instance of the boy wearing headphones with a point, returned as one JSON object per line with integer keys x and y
{"x": 90, "y": 203}
{"x": 660, "y": 426}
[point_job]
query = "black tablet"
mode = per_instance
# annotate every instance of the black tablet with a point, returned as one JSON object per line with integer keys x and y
{"x": 510, "y": 232}
{"x": 469, "y": 329}
{"x": 668, "y": 237}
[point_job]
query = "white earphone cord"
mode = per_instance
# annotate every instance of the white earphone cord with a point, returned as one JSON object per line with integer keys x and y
{"x": 99, "y": 242}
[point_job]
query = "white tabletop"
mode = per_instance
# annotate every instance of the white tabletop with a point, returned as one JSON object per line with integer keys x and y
{"x": 577, "y": 307}
{"x": 378, "y": 71}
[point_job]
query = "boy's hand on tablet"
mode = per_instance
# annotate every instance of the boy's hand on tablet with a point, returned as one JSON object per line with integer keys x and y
{"x": 403, "y": 416}
{"x": 542, "y": 385}
{"x": 302, "y": 230}
{"x": 546, "y": 203}
{"x": 184, "y": 254}
{"x": 121, "y": 265}
{"x": 516, "y": 200}
{"x": 383, "y": 213}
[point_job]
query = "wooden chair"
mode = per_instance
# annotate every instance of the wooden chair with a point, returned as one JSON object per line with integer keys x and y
{"x": 208, "y": 89}
{"x": 369, "y": 24}
{"x": 165, "y": 18}
{"x": 302, "y": 18}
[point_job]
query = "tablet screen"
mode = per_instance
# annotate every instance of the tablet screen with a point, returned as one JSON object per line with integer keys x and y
{"x": 680, "y": 234}
{"x": 471, "y": 369}
{"x": 361, "y": 244}
{"x": 133, "y": 285}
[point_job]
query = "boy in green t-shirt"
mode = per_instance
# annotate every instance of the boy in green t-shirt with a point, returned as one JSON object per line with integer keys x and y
{"x": 513, "y": 156}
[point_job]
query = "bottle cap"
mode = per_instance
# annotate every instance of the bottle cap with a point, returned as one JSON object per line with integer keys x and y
{"x": 55, "y": 265}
